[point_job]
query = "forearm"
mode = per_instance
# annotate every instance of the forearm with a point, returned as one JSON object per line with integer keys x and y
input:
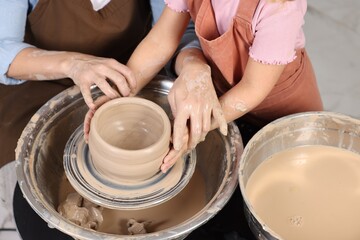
{"x": 148, "y": 59}
{"x": 158, "y": 46}
{"x": 257, "y": 82}
{"x": 113, "y": 78}
{"x": 38, "y": 64}
{"x": 241, "y": 99}
{"x": 190, "y": 58}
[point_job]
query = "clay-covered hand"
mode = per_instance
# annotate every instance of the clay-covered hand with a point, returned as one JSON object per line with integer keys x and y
{"x": 173, "y": 155}
{"x": 90, "y": 114}
{"x": 113, "y": 78}
{"x": 194, "y": 104}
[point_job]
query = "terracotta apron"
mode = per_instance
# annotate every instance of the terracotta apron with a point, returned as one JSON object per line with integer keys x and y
{"x": 295, "y": 91}
{"x": 68, "y": 25}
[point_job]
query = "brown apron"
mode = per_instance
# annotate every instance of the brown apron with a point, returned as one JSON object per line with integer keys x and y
{"x": 68, "y": 25}
{"x": 295, "y": 91}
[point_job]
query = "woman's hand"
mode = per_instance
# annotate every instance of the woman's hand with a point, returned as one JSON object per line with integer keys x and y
{"x": 194, "y": 105}
{"x": 112, "y": 78}
{"x": 90, "y": 114}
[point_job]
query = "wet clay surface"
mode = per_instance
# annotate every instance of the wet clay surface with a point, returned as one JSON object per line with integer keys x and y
{"x": 128, "y": 139}
{"x": 309, "y": 192}
{"x": 120, "y": 166}
{"x": 82, "y": 175}
{"x": 81, "y": 211}
{"x": 178, "y": 209}
{"x": 228, "y": 224}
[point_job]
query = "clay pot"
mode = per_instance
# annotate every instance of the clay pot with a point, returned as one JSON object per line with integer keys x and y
{"x": 128, "y": 139}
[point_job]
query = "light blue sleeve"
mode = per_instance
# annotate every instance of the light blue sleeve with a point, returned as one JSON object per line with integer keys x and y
{"x": 189, "y": 39}
{"x": 13, "y": 15}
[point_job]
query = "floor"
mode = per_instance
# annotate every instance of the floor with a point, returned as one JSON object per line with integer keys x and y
{"x": 332, "y": 29}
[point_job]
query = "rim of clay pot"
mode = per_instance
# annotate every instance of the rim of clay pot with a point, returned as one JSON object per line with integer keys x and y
{"x": 132, "y": 101}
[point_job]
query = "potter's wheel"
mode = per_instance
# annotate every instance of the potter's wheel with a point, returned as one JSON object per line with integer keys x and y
{"x": 101, "y": 190}
{"x": 40, "y": 169}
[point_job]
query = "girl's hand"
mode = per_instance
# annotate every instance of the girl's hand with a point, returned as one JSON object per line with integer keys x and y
{"x": 112, "y": 78}
{"x": 194, "y": 104}
{"x": 171, "y": 158}
{"x": 173, "y": 155}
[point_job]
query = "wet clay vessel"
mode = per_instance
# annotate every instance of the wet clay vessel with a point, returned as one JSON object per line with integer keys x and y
{"x": 119, "y": 168}
{"x": 128, "y": 139}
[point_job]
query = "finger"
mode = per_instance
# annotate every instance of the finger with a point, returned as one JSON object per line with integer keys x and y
{"x": 172, "y": 103}
{"x": 90, "y": 114}
{"x": 186, "y": 137}
{"x": 206, "y": 119}
{"x": 86, "y": 93}
{"x": 170, "y": 160}
{"x": 220, "y": 118}
{"x": 100, "y": 101}
{"x": 87, "y": 121}
{"x": 105, "y": 87}
{"x": 180, "y": 124}
{"x": 126, "y": 72}
{"x": 206, "y": 123}
{"x": 196, "y": 129}
{"x": 123, "y": 86}
{"x": 119, "y": 82}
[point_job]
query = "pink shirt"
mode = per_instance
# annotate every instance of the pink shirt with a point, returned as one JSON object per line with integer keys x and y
{"x": 277, "y": 26}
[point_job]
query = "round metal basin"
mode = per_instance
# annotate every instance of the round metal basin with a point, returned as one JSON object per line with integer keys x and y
{"x": 39, "y": 163}
{"x": 303, "y": 129}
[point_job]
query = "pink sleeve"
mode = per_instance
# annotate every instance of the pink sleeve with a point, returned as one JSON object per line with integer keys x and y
{"x": 278, "y": 31}
{"x": 177, "y": 5}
